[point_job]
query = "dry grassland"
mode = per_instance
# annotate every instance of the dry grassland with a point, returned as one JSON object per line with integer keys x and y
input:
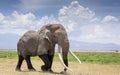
{"x": 7, "y": 67}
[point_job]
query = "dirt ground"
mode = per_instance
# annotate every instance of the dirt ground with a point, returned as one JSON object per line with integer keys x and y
{"x": 7, "y": 67}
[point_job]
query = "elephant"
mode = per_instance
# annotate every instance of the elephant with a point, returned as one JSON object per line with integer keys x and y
{"x": 42, "y": 43}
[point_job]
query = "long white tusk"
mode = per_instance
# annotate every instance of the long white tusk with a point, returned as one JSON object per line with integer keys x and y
{"x": 62, "y": 59}
{"x": 75, "y": 56}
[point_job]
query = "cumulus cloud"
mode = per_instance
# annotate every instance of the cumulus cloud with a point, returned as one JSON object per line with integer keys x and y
{"x": 1, "y": 17}
{"x": 85, "y": 26}
{"x": 18, "y": 23}
{"x": 110, "y": 18}
{"x": 75, "y": 15}
{"x": 71, "y": 16}
{"x": 97, "y": 32}
{"x": 46, "y": 20}
{"x": 75, "y": 10}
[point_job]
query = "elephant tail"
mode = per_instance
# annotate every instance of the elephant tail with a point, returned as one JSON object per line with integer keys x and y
{"x": 18, "y": 51}
{"x": 19, "y": 45}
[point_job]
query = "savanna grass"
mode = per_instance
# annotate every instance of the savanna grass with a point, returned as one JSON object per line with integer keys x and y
{"x": 85, "y": 57}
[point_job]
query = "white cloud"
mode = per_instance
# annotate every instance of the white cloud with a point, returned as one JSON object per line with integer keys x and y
{"x": 75, "y": 11}
{"x": 16, "y": 20}
{"x": 18, "y": 23}
{"x": 46, "y": 20}
{"x": 103, "y": 33}
{"x": 75, "y": 15}
{"x": 110, "y": 18}
{"x": 1, "y": 17}
{"x": 98, "y": 33}
{"x": 71, "y": 17}
{"x": 87, "y": 27}
{"x": 22, "y": 19}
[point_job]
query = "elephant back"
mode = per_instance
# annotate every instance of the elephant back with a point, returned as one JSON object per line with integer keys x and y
{"x": 28, "y": 43}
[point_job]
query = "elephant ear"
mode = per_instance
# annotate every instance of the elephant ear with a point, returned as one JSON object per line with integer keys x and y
{"x": 47, "y": 34}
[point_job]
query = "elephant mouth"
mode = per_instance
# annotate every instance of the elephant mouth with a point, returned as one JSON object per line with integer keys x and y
{"x": 59, "y": 54}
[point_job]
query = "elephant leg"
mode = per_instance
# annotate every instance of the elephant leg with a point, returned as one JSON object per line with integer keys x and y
{"x": 66, "y": 63}
{"x": 51, "y": 53}
{"x": 29, "y": 65}
{"x": 46, "y": 61}
{"x": 51, "y": 61}
{"x": 20, "y": 60}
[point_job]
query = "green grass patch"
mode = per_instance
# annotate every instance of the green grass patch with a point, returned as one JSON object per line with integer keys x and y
{"x": 99, "y": 57}
{"x": 8, "y": 54}
{"x": 85, "y": 57}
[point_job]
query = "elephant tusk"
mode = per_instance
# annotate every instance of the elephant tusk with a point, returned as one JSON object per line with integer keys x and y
{"x": 62, "y": 59}
{"x": 75, "y": 56}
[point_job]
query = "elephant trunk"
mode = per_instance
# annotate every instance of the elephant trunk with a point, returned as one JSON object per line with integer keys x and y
{"x": 63, "y": 60}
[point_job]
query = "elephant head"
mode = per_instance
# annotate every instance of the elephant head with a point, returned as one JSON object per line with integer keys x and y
{"x": 56, "y": 34}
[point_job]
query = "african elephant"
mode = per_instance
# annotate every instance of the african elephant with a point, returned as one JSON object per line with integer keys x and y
{"x": 42, "y": 43}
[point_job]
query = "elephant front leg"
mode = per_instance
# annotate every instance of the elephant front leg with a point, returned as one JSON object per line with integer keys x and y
{"x": 51, "y": 53}
{"x": 51, "y": 61}
{"x": 65, "y": 59}
{"x": 47, "y": 63}
{"x": 66, "y": 63}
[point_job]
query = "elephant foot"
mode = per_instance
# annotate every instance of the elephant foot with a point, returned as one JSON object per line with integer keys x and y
{"x": 17, "y": 69}
{"x": 46, "y": 69}
{"x": 51, "y": 71}
{"x": 43, "y": 68}
{"x": 32, "y": 69}
{"x": 64, "y": 73}
{"x": 65, "y": 69}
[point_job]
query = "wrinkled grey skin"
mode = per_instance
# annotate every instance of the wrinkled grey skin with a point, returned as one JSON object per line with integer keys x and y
{"x": 42, "y": 43}
{"x": 32, "y": 43}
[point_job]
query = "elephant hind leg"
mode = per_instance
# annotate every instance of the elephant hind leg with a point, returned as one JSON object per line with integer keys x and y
{"x": 29, "y": 65}
{"x": 20, "y": 60}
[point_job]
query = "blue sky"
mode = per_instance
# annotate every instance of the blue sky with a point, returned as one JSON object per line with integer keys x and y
{"x": 89, "y": 21}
